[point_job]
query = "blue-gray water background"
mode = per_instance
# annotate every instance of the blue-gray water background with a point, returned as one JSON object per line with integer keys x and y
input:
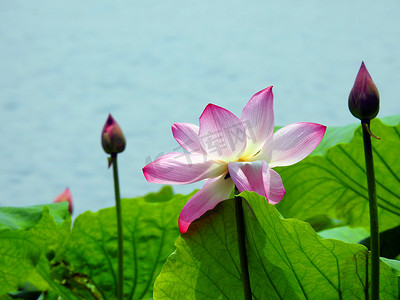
{"x": 64, "y": 65}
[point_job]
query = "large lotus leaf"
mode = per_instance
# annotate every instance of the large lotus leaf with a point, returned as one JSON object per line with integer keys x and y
{"x": 27, "y": 217}
{"x": 333, "y": 182}
{"x": 394, "y": 265}
{"x": 345, "y": 234}
{"x": 26, "y": 234}
{"x": 287, "y": 260}
{"x": 149, "y": 227}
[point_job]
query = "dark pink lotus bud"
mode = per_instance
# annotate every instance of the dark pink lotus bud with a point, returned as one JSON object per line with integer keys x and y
{"x": 364, "y": 96}
{"x": 65, "y": 196}
{"x": 112, "y": 138}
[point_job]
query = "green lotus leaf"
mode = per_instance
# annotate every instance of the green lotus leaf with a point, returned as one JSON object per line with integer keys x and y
{"x": 27, "y": 234}
{"x": 287, "y": 260}
{"x": 332, "y": 181}
{"x": 150, "y": 226}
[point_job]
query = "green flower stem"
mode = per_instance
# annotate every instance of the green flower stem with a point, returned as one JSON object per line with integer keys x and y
{"x": 373, "y": 211}
{"x": 242, "y": 248}
{"x": 120, "y": 287}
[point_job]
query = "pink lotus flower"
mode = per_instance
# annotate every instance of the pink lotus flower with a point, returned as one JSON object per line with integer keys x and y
{"x": 228, "y": 151}
{"x": 65, "y": 196}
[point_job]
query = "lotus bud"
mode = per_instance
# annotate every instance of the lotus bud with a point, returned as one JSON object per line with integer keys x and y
{"x": 65, "y": 196}
{"x": 112, "y": 138}
{"x": 364, "y": 96}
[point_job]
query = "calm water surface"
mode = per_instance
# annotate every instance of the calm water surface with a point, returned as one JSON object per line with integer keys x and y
{"x": 65, "y": 65}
